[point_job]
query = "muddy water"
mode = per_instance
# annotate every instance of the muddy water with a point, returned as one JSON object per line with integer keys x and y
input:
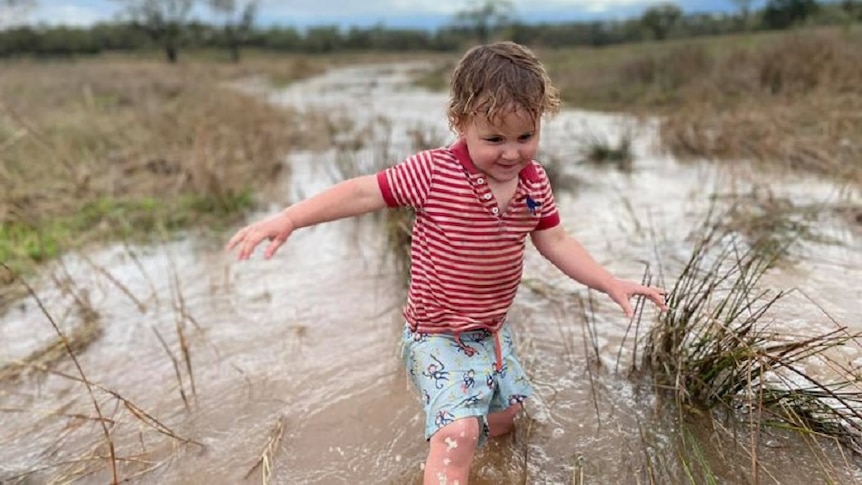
{"x": 303, "y": 349}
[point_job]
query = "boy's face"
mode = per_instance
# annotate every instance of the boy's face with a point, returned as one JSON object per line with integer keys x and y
{"x": 503, "y": 148}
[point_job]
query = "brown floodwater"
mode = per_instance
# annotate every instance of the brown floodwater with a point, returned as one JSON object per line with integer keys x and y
{"x": 302, "y": 350}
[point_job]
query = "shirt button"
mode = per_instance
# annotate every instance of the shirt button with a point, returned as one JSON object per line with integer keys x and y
{"x": 495, "y": 211}
{"x": 487, "y": 196}
{"x": 480, "y": 180}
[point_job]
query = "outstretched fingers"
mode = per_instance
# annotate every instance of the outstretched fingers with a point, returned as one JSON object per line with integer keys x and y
{"x": 627, "y": 290}
{"x": 275, "y": 229}
{"x": 246, "y": 239}
{"x": 232, "y": 243}
{"x": 627, "y": 308}
{"x": 273, "y": 246}
{"x": 656, "y": 295}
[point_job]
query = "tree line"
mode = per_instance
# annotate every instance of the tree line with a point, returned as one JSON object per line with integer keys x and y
{"x": 166, "y": 25}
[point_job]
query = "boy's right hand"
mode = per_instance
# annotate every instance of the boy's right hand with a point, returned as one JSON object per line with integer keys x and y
{"x": 276, "y": 229}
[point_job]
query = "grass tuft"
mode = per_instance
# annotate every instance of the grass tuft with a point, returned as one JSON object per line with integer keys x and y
{"x": 601, "y": 150}
{"x": 720, "y": 349}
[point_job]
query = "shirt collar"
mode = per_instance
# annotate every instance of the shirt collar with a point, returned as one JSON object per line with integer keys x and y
{"x": 459, "y": 149}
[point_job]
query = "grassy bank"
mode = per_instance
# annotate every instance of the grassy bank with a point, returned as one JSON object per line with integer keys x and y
{"x": 789, "y": 100}
{"x": 116, "y": 147}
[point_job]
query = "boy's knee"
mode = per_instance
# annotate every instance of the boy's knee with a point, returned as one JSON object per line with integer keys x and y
{"x": 458, "y": 439}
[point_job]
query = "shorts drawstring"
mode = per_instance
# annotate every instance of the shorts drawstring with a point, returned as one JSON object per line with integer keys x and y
{"x": 498, "y": 352}
{"x": 498, "y": 349}
{"x": 470, "y": 351}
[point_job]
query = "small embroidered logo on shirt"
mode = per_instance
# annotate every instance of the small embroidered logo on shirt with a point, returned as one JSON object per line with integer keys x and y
{"x": 532, "y": 205}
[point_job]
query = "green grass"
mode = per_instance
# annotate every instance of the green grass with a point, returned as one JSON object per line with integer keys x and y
{"x": 694, "y": 461}
{"x": 23, "y": 245}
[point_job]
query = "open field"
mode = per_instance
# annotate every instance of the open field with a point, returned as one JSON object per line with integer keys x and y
{"x": 202, "y": 369}
{"x": 89, "y": 145}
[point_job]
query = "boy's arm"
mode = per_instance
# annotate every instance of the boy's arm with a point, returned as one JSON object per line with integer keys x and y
{"x": 571, "y": 258}
{"x": 346, "y": 199}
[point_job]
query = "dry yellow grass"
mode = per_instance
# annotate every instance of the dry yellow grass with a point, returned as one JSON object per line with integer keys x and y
{"x": 119, "y": 147}
{"x": 118, "y": 128}
{"x": 787, "y": 99}
{"x": 795, "y": 105}
{"x": 820, "y": 133}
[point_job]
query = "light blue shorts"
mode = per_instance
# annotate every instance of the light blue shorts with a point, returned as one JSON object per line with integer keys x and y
{"x": 456, "y": 381}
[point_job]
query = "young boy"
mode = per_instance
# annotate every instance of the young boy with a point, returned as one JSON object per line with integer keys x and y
{"x": 476, "y": 202}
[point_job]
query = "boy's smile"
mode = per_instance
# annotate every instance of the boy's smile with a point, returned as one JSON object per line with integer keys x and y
{"x": 503, "y": 148}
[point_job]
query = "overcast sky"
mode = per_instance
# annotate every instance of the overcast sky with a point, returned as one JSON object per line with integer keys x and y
{"x": 391, "y": 13}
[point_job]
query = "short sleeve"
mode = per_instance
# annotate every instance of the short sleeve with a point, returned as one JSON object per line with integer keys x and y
{"x": 408, "y": 183}
{"x": 549, "y": 215}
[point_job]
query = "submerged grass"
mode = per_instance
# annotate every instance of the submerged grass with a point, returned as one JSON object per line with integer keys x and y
{"x": 122, "y": 462}
{"x": 76, "y": 339}
{"x": 267, "y": 456}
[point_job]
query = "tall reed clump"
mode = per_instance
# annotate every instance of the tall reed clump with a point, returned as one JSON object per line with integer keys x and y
{"x": 721, "y": 347}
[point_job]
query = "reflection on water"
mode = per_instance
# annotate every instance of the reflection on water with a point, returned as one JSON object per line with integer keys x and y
{"x": 310, "y": 337}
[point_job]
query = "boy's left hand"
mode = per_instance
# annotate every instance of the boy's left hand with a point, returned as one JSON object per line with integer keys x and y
{"x": 621, "y": 291}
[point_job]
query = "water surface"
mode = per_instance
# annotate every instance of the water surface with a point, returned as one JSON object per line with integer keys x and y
{"x": 310, "y": 338}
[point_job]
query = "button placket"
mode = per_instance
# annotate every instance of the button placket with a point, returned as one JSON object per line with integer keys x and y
{"x": 486, "y": 198}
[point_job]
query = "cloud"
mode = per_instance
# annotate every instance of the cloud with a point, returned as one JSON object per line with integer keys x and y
{"x": 400, "y": 8}
{"x": 79, "y": 13}
{"x": 344, "y": 12}
{"x": 353, "y": 8}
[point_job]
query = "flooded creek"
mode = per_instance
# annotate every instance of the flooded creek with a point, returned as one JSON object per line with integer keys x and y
{"x": 301, "y": 351}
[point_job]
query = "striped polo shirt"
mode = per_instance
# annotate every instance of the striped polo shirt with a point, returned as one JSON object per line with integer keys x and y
{"x": 466, "y": 255}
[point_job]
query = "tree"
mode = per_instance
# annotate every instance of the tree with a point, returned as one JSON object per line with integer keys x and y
{"x": 13, "y": 12}
{"x": 781, "y": 14}
{"x": 744, "y": 7}
{"x": 660, "y": 19}
{"x": 853, "y": 8}
{"x": 163, "y": 20}
{"x": 486, "y": 18}
{"x": 238, "y": 21}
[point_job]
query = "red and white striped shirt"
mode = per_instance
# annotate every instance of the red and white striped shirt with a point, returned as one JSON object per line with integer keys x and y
{"x": 466, "y": 256}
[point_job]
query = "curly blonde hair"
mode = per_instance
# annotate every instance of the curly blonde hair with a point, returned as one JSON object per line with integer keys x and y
{"x": 494, "y": 79}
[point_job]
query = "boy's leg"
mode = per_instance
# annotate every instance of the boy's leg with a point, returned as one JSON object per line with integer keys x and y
{"x": 451, "y": 452}
{"x": 502, "y": 422}
{"x": 512, "y": 388}
{"x": 453, "y": 446}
